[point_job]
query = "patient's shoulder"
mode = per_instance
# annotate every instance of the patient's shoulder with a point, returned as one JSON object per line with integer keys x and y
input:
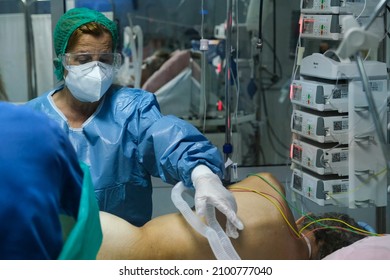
{"x": 273, "y": 182}
{"x": 263, "y": 181}
{"x": 268, "y": 176}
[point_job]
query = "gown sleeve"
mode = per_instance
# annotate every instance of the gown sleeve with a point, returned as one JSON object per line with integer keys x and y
{"x": 171, "y": 148}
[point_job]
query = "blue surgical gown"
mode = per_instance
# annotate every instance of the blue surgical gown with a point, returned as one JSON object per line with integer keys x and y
{"x": 126, "y": 141}
{"x": 40, "y": 181}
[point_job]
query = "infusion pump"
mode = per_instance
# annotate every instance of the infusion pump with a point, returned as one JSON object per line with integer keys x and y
{"x": 323, "y": 19}
{"x": 335, "y": 153}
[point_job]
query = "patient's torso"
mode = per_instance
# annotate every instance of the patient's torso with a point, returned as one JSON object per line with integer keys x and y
{"x": 267, "y": 233}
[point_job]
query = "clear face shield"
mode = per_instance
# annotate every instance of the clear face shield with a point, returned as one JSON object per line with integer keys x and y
{"x": 74, "y": 59}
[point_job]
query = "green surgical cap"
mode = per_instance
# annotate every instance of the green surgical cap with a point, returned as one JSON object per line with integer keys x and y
{"x": 72, "y": 20}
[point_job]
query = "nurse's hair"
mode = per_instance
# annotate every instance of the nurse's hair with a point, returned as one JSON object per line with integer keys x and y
{"x": 333, "y": 231}
{"x": 73, "y": 20}
{"x": 92, "y": 28}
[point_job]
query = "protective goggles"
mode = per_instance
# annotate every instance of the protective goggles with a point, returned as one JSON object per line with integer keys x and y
{"x": 69, "y": 59}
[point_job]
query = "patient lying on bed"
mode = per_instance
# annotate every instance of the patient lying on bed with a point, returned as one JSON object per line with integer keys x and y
{"x": 270, "y": 230}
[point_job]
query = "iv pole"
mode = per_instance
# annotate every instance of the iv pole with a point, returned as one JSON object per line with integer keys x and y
{"x": 227, "y": 147}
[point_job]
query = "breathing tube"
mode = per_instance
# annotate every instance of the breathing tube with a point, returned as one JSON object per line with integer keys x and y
{"x": 217, "y": 238}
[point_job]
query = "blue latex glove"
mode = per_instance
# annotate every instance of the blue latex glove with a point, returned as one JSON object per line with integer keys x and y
{"x": 210, "y": 190}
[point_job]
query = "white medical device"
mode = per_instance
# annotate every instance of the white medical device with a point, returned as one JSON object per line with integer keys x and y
{"x": 353, "y": 7}
{"x": 321, "y": 66}
{"x": 321, "y": 6}
{"x": 332, "y": 27}
{"x": 322, "y": 159}
{"x": 329, "y": 190}
{"x": 339, "y": 149}
{"x": 320, "y": 96}
{"x": 323, "y": 128}
{"x": 320, "y": 26}
{"x": 324, "y": 19}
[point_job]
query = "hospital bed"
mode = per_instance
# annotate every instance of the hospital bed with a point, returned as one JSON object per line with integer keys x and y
{"x": 178, "y": 82}
{"x": 369, "y": 248}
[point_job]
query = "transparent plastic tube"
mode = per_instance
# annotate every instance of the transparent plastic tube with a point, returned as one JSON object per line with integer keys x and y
{"x": 222, "y": 237}
{"x": 218, "y": 240}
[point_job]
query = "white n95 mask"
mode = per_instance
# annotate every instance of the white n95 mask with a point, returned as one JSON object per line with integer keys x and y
{"x": 89, "y": 82}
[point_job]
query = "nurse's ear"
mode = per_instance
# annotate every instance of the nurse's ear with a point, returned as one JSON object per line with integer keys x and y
{"x": 57, "y": 62}
{"x": 59, "y": 68}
